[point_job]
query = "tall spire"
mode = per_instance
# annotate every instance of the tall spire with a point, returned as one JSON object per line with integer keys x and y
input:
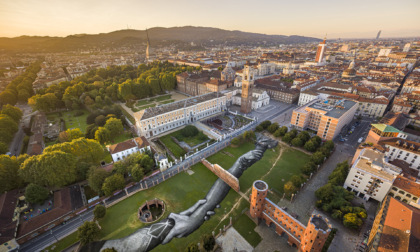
{"x": 147, "y": 47}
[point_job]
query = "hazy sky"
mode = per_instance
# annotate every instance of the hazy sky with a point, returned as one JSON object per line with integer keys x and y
{"x": 345, "y": 19}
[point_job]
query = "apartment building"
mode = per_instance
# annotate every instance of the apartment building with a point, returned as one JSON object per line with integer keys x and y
{"x": 380, "y": 132}
{"x": 404, "y": 150}
{"x": 327, "y": 117}
{"x": 372, "y": 107}
{"x": 371, "y": 176}
{"x": 157, "y": 120}
{"x": 406, "y": 190}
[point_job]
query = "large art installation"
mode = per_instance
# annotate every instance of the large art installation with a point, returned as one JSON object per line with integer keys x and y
{"x": 182, "y": 224}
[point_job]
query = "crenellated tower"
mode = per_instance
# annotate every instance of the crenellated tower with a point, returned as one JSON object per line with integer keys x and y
{"x": 258, "y": 194}
{"x": 316, "y": 233}
{"x": 310, "y": 238}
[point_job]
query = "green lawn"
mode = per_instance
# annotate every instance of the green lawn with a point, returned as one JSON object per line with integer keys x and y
{"x": 172, "y": 146}
{"x": 183, "y": 190}
{"x": 63, "y": 243}
{"x": 245, "y": 226}
{"x": 143, "y": 102}
{"x": 122, "y": 137}
{"x": 166, "y": 102}
{"x": 147, "y": 106}
{"x": 191, "y": 141}
{"x": 71, "y": 120}
{"x": 290, "y": 164}
{"x": 163, "y": 97}
{"x": 127, "y": 115}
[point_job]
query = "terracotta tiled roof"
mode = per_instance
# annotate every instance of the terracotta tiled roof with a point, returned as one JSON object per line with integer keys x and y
{"x": 139, "y": 142}
{"x": 407, "y": 185}
{"x": 115, "y": 148}
{"x": 401, "y": 229}
{"x": 8, "y": 202}
{"x": 62, "y": 206}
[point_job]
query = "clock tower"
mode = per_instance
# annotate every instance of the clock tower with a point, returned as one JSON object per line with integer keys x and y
{"x": 247, "y": 87}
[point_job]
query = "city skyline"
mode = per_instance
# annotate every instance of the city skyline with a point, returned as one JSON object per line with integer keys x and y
{"x": 359, "y": 20}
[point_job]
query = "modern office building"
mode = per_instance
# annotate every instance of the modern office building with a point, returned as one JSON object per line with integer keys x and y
{"x": 326, "y": 117}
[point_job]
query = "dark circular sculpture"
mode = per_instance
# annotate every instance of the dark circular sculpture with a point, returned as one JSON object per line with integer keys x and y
{"x": 151, "y": 210}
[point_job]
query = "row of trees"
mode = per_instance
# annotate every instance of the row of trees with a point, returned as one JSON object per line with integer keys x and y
{"x": 99, "y": 88}
{"x": 336, "y": 200}
{"x": 300, "y": 139}
{"x": 132, "y": 167}
{"x": 9, "y": 125}
{"x": 247, "y": 136}
{"x": 59, "y": 165}
{"x": 20, "y": 89}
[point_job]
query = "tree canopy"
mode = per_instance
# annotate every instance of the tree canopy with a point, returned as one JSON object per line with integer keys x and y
{"x": 50, "y": 169}
{"x": 36, "y": 194}
{"x": 84, "y": 150}
{"x": 88, "y": 232}
{"x": 113, "y": 183}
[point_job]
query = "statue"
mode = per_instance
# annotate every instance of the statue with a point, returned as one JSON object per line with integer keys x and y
{"x": 182, "y": 224}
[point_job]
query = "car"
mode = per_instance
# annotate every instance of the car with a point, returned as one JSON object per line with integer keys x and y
{"x": 360, "y": 140}
{"x": 342, "y": 140}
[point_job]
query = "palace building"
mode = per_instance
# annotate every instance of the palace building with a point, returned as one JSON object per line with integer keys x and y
{"x": 310, "y": 238}
{"x": 157, "y": 120}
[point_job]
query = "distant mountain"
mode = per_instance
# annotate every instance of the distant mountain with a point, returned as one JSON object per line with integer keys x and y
{"x": 181, "y": 36}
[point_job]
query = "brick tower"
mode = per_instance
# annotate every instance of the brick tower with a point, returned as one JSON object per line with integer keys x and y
{"x": 258, "y": 194}
{"x": 247, "y": 87}
{"x": 316, "y": 233}
{"x": 320, "y": 51}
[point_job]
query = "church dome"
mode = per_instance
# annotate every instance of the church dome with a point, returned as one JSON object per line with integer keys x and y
{"x": 349, "y": 72}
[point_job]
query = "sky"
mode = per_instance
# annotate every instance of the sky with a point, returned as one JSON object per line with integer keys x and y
{"x": 314, "y": 18}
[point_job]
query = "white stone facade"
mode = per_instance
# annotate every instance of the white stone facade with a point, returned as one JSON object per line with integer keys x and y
{"x": 170, "y": 116}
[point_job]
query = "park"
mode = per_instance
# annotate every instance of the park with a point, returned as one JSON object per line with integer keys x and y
{"x": 181, "y": 191}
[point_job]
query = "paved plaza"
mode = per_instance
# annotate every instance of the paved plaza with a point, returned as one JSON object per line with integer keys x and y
{"x": 270, "y": 112}
{"x": 231, "y": 240}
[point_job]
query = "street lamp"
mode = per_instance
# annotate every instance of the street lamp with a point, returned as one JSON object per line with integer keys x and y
{"x": 51, "y": 232}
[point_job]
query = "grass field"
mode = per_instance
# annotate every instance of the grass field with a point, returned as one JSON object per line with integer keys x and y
{"x": 122, "y": 137}
{"x": 63, "y": 243}
{"x": 71, "y": 120}
{"x": 183, "y": 190}
{"x": 147, "y": 106}
{"x": 163, "y": 97}
{"x": 166, "y": 102}
{"x": 245, "y": 226}
{"x": 143, "y": 102}
{"x": 172, "y": 146}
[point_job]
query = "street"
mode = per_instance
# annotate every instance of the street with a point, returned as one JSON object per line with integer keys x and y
{"x": 15, "y": 146}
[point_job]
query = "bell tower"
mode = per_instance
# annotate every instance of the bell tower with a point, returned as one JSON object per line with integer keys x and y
{"x": 247, "y": 87}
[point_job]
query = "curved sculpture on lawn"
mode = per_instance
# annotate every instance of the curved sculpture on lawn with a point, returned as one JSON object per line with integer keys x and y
{"x": 182, "y": 224}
